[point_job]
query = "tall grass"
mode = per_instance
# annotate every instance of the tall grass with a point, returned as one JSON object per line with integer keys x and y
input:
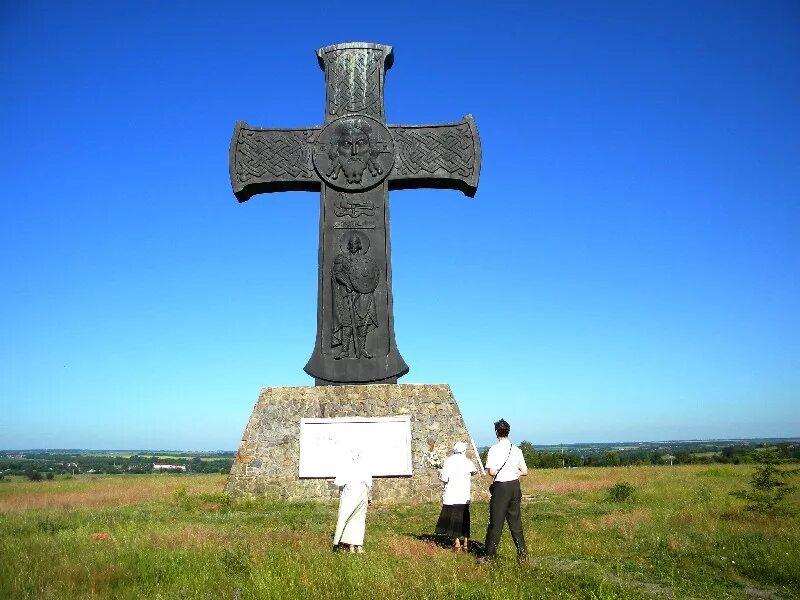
{"x": 173, "y": 537}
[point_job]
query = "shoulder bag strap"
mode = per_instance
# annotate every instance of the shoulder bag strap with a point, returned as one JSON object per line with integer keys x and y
{"x": 504, "y": 463}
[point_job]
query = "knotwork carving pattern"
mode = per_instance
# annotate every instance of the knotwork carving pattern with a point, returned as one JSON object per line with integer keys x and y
{"x": 433, "y": 149}
{"x": 274, "y": 155}
{"x": 354, "y": 80}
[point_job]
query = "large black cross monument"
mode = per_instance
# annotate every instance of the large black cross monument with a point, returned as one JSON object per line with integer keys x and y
{"x": 355, "y": 158}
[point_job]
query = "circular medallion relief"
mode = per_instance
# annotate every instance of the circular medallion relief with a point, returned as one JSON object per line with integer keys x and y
{"x": 354, "y": 153}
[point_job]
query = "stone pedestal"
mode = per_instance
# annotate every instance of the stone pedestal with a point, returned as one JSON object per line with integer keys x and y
{"x": 267, "y": 463}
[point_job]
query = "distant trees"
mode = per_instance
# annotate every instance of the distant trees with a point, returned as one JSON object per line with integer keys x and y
{"x": 599, "y": 455}
{"x": 210, "y": 465}
{"x": 546, "y": 460}
{"x": 736, "y": 454}
{"x": 682, "y": 453}
{"x": 37, "y": 476}
{"x": 73, "y": 463}
{"x": 529, "y": 453}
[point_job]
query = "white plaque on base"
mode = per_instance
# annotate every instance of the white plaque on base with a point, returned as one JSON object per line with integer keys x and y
{"x": 326, "y": 445}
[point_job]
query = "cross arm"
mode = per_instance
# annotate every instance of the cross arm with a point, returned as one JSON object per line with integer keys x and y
{"x": 437, "y": 156}
{"x": 272, "y": 160}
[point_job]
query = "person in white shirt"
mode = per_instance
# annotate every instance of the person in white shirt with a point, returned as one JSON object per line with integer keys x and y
{"x": 505, "y": 464}
{"x": 355, "y": 481}
{"x": 454, "y": 520}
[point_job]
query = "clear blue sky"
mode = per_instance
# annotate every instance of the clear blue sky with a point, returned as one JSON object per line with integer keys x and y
{"x": 629, "y": 269}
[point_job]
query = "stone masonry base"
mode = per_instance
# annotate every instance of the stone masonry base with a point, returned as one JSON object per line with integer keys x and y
{"x": 267, "y": 462}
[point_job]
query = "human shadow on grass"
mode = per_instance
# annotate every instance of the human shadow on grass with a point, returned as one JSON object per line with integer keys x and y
{"x": 475, "y": 548}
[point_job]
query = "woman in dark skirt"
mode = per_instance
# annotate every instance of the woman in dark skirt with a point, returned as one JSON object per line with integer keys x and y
{"x": 454, "y": 518}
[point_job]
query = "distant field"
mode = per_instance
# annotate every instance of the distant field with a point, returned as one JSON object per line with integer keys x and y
{"x": 101, "y": 491}
{"x": 161, "y": 456}
{"x": 178, "y": 537}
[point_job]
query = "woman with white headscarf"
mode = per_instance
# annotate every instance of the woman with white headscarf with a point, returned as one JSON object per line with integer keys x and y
{"x": 454, "y": 519}
{"x": 355, "y": 482}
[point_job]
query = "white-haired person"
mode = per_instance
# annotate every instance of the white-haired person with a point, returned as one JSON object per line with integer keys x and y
{"x": 355, "y": 482}
{"x": 454, "y": 520}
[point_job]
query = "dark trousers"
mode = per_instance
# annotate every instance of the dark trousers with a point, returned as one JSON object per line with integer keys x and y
{"x": 504, "y": 506}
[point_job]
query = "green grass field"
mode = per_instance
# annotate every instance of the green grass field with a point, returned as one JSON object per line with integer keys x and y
{"x": 178, "y": 537}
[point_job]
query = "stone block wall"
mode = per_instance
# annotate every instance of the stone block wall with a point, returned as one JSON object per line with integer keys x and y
{"x": 267, "y": 463}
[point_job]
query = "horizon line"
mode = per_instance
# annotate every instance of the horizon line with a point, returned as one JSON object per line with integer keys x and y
{"x": 217, "y": 451}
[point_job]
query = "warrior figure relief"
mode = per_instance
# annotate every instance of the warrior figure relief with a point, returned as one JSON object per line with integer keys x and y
{"x": 355, "y": 277}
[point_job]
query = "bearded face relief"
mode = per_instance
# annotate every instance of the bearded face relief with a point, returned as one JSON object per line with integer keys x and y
{"x": 354, "y": 153}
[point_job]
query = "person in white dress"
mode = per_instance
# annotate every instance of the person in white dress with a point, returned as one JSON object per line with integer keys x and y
{"x": 454, "y": 520}
{"x": 355, "y": 483}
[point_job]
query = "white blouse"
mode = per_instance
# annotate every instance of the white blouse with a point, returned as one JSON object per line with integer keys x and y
{"x": 456, "y": 473}
{"x": 509, "y": 457}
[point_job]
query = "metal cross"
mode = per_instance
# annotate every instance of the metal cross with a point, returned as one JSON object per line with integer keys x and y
{"x": 355, "y": 158}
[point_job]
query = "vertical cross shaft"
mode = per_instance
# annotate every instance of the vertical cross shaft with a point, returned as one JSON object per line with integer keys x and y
{"x": 355, "y": 332}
